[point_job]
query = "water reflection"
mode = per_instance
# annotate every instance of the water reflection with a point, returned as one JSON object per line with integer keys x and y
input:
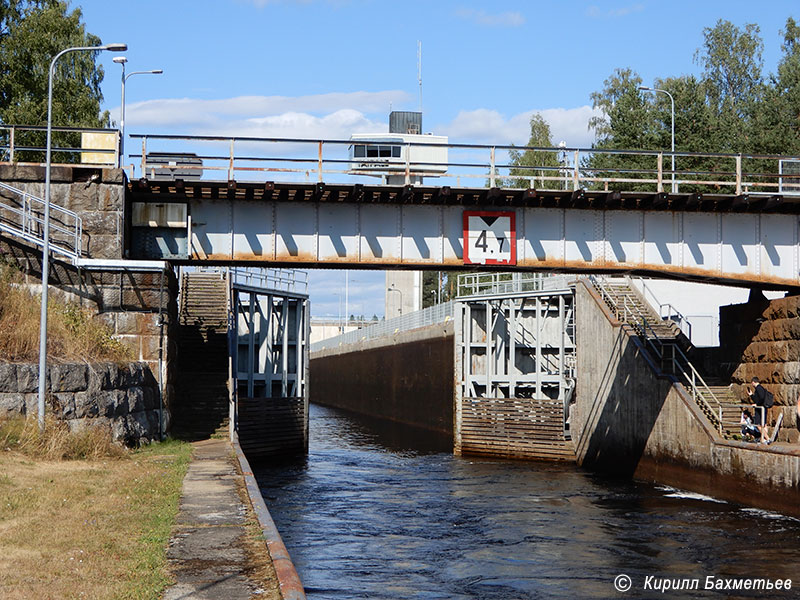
{"x": 372, "y": 513}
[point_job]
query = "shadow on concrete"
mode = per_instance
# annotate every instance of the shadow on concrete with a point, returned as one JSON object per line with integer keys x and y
{"x": 624, "y": 411}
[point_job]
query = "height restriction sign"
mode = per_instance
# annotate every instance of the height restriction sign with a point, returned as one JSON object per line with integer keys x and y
{"x": 490, "y": 237}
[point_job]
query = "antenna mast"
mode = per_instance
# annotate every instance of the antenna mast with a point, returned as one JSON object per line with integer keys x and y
{"x": 419, "y": 72}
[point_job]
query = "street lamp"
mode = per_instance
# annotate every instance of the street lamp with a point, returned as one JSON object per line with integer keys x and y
{"x": 644, "y": 88}
{"x": 121, "y": 60}
{"x": 46, "y": 236}
{"x": 394, "y": 289}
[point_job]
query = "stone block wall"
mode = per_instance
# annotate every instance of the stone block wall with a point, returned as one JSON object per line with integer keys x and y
{"x": 129, "y": 302}
{"x": 764, "y": 342}
{"x": 96, "y": 194}
{"x": 123, "y": 397}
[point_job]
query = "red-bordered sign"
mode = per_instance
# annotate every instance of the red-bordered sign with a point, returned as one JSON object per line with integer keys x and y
{"x": 490, "y": 237}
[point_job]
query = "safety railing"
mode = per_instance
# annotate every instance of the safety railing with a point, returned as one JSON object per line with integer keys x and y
{"x": 499, "y": 284}
{"x": 22, "y": 215}
{"x": 666, "y": 311}
{"x": 286, "y": 280}
{"x": 673, "y": 359}
{"x": 467, "y": 165}
{"x": 26, "y": 144}
{"x": 439, "y": 313}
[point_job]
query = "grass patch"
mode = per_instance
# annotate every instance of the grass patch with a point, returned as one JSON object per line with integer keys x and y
{"x": 91, "y": 528}
{"x": 72, "y": 333}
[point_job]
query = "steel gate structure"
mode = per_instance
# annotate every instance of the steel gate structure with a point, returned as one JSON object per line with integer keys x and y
{"x": 515, "y": 371}
{"x": 269, "y": 332}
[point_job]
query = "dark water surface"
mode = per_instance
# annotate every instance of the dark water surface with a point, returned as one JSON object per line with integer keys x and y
{"x": 372, "y": 513}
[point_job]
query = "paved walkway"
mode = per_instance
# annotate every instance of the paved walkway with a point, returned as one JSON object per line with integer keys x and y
{"x": 206, "y": 552}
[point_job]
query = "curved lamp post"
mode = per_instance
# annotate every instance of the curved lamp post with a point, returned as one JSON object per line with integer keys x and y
{"x": 121, "y": 60}
{"x": 644, "y": 88}
{"x": 46, "y": 233}
{"x": 399, "y": 291}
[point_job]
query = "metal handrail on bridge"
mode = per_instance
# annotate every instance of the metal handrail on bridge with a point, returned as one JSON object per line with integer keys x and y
{"x": 10, "y": 144}
{"x": 25, "y": 219}
{"x": 573, "y": 172}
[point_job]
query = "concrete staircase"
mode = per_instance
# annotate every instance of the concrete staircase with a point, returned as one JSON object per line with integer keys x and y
{"x": 630, "y": 307}
{"x": 666, "y": 343}
{"x": 201, "y": 406}
{"x": 730, "y": 405}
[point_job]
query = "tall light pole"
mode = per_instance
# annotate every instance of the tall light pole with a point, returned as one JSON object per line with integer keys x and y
{"x": 644, "y": 88}
{"x": 121, "y": 60}
{"x": 399, "y": 291}
{"x": 46, "y": 233}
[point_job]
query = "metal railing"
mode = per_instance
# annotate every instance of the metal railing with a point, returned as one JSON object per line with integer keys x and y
{"x": 474, "y": 164}
{"x": 439, "y": 313}
{"x": 285, "y": 280}
{"x": 12, "y": 143}
{"x": 499, "y": 284}
{"x": 666, "y": 311}
{"x": 669, "y": 353}
{"x": 22, "y": 215}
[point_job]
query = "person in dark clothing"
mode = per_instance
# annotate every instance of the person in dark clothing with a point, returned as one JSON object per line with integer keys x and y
{"x": 758, "y": 394}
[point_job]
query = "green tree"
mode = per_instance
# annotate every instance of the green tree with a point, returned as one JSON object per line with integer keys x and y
{"x": 32, "y": 32}
{"x": 626, "y": 122}
{"x": 732, "y": 74}
{"x": 777, "y": 123}
{"x": 530, "y": 164}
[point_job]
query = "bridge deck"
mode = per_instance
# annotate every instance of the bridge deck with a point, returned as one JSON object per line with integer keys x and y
{"x": 739, "y": 239}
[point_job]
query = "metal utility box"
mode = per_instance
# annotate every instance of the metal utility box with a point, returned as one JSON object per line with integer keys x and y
{"x": 405, "y": 122}
{"x": 168, "y": 166}
{"x": 159, "y": 231}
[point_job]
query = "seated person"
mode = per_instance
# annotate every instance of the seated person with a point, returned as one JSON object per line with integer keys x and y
{"x": 750, "y": 432}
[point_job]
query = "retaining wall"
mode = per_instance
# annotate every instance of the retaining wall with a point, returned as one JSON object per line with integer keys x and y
{"x": 407, "y": 377}
{"x": 123, "y": 398}
{"x": 632, "y": 420}
{"x": 762, "y": 339}
{"x": 129, "y": 302}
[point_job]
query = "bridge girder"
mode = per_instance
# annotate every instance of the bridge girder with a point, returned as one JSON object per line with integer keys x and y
{"x": 735, "y": 239}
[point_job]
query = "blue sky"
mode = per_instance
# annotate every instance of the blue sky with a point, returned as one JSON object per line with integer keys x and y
{"x": 329, "y": 68}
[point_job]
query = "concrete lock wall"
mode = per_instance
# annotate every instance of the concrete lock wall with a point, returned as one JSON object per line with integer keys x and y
{"x": 631, "y": 420}
{"x": 123, "y": 398}
{"x": 407, "y": 378}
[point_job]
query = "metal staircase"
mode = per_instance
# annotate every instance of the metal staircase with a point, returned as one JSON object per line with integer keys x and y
{"x": 22, "y": 215}
{"x": 666, "y": 343}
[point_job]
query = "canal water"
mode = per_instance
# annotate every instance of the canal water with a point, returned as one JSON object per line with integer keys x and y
{"x": 386, "y": 513}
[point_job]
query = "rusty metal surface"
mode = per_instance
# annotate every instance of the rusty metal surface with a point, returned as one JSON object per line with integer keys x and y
{"x": 741, "y": 248}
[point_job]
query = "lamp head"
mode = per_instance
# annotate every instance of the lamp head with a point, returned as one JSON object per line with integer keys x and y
{"x": 120, "y": 60}
{"x": 157, "y": 71}
{"x": 115, "y": 47}
{"x": 644, "y": 88}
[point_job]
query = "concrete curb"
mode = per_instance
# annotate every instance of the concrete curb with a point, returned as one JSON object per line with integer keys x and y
{"x": 288, "y": 579}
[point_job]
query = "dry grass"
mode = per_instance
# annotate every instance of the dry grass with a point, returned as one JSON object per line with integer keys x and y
{"x": 72, "y": 333}
{"x": 92, "y": 528}
{"x": 57, "y": 442}
{"x": 259, "y": 566}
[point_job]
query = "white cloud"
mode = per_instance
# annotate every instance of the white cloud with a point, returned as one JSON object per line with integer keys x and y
{"x": 191, "y": 111}
{"x": 596, "y": 12}
{"x": 486, "y": 126}
{"x": 480, "y": 17}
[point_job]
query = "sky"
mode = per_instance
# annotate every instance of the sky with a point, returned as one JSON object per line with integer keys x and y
{"x": 330, "y": 68}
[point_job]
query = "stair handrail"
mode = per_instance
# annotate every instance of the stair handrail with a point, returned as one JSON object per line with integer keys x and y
{"x": 666, "y": 310}
{"x": 682, "y": 365}
{"x": 30, "y": 225}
